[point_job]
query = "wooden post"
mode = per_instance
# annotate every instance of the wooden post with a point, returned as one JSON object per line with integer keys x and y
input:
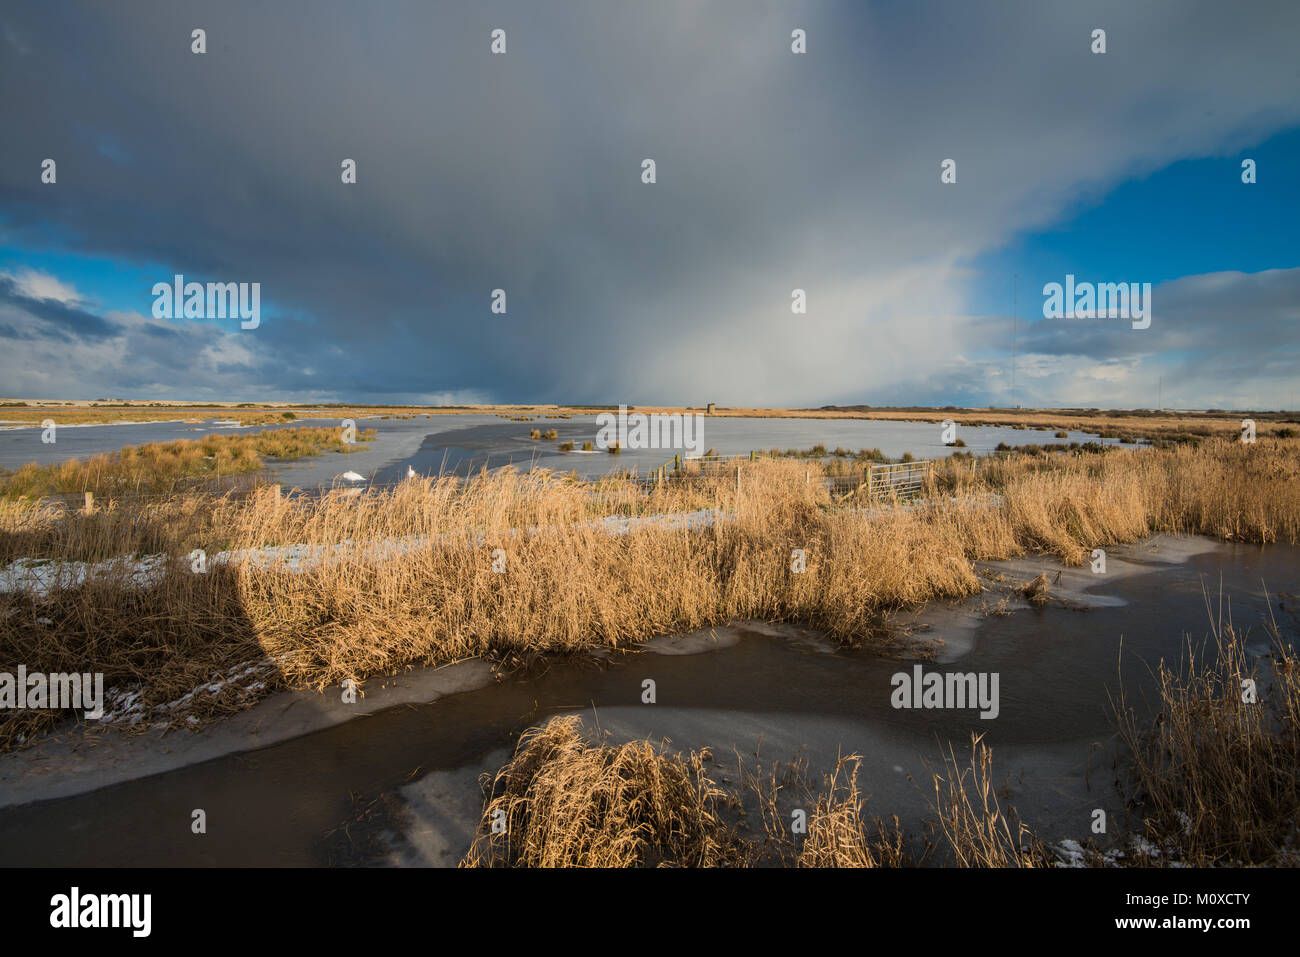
{"x": 90, "y": 503}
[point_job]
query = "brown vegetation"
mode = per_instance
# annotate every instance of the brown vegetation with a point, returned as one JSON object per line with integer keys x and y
{"x": 162, "y": 466}
{"x": 360, "y": 603}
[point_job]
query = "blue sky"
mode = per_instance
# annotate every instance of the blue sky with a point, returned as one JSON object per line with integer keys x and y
{"x": 1190, "y": 217}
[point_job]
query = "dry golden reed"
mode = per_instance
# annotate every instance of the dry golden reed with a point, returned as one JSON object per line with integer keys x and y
{"x": 566, "y": 802}
{"x": 839, "y": 835}
{"x": 374, "y": 583}
{"x": 1216, "y": 772}
{"x": 161, "y": 466}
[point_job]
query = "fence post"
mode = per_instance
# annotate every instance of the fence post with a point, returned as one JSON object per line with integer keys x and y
{"x": 90, "y": 503}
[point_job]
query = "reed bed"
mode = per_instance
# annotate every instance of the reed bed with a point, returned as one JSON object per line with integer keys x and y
{"x": 160, "y": 466}
{"x": 513, "y": 565}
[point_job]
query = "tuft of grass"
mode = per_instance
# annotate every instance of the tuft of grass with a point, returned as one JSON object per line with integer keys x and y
{"x": 569, "y": 803}
{"x": 838, "y": 833}
{"x": 1036, "y": 591}
{"x": 1215, "y": 774}
{"x": 978, "y": 833}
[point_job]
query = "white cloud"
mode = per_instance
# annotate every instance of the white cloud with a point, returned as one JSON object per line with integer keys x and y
{"x": 39, "y": 285}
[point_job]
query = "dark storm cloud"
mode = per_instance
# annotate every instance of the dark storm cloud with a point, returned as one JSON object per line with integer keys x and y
{"x": 522, "y": 172}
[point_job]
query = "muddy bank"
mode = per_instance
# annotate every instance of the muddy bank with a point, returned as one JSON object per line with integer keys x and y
{"x": 400, "y": 786}
{"x": 74, "y": 761}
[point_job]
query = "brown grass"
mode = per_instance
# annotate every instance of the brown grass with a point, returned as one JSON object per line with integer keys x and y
{"x": 161, "y": 466}
{"x": 839, "y": 834}
{"x": 1217, "y": 778}
{"x": 1036, "y": 592}
{"x": 567, "y": 803}
{"x": 977, "y": 832}
{"x": 566, "y": 800}
{"x": 1118, "y": 423}
{"x": 373, "y": 608}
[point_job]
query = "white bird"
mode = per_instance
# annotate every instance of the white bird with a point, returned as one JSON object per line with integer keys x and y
{"x": 352, "y": 477}
{"x": 410, "y": 472}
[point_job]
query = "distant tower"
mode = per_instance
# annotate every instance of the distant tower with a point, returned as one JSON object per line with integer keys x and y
{"x": 709, "y": 410}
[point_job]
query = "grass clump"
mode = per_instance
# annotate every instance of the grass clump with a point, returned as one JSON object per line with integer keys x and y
{"x": 1216, "y": 771}
{"x": 839, "y": 835}
{"x": 570, "y": 803}
{"x": 976, "y": 831}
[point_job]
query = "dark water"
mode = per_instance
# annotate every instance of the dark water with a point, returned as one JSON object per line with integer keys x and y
{"x": 278, "y": 806}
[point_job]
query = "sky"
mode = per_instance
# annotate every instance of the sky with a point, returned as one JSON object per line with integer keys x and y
{"x": 774, "y": 171}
